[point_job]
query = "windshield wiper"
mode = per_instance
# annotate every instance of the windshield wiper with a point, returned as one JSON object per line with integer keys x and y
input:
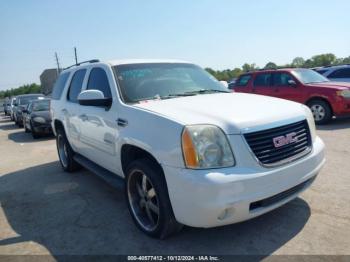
{"x": 207, "y": 91}
{"x": 158, "y": 97}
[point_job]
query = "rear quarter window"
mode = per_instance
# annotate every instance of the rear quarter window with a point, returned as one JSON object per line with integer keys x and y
{"x": 59, "y": 86}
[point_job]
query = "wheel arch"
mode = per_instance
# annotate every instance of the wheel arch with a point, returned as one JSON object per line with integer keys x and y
{"x": 314, "y": 98}
{"x": 130, "y": 152}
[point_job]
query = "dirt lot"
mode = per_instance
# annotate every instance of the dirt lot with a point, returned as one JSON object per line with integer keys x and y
{"x": 46, "y": 211}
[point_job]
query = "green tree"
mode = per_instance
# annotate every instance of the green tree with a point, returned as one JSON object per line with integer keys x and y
{"x": 270, "y": 65}
{"x": 298, "y": 62}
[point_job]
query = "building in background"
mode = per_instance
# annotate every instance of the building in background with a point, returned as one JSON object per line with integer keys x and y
{"x": 47, "y": 79}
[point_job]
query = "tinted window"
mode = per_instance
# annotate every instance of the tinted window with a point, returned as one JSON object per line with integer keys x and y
{"x": 262, "y": 80}
{"x": 243, "y": 80}
{"x": 76, "y": 85}
{"x": 281, "y": 79}
{"x": 340, "y": 73}
{"x": 59, "y": 85}
{"x": 98, "y": 80}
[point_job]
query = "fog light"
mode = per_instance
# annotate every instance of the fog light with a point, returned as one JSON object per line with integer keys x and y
{"x": 226, "y": 213}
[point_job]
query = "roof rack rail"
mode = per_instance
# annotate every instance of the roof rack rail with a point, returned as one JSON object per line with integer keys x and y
{"x": 84, "y": 62}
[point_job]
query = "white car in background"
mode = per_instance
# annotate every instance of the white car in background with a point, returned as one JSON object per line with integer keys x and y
{"x": 339, "y": 73}
{"x": 186, "y": 150}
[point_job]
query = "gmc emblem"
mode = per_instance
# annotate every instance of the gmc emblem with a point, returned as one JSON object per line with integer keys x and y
{"x": 285, "y": 140}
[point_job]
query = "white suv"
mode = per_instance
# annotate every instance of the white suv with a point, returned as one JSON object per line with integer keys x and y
{"x": 189, "y": 151}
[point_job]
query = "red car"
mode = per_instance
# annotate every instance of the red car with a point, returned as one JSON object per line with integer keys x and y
{"x": 325, "y": 98}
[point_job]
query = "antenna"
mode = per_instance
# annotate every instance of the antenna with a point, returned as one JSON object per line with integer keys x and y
{"x": 75, "y": 54}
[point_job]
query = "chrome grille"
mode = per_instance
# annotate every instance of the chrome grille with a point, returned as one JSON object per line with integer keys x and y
{"x": 262, "y": 143}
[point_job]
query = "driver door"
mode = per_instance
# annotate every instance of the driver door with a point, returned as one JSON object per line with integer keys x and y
{"x": 98, "y": 125}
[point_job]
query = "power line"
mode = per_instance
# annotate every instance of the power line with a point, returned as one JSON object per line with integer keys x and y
{"x": 58, "y": 64}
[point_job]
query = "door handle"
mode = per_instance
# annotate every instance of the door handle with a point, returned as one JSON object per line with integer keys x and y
{"x": 122, "y": 122}
{"x": 83, "y": 117}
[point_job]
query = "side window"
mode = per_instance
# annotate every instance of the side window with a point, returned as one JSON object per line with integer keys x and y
{"x": 340, "y": 73}
{"x": 59, "y": 86}
{"x": 281, "y": 79}
{"x": 243, "y": 80}
{"x": 262, "y": 80}
{"x": 98, "y": 80}
{"x": 76, "y": 85}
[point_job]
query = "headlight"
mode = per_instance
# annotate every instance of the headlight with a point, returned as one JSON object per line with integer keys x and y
{"x": 206, "y": 146}
{"x": 311, "y": 121}
{"x": 39, "y": 119}
{"x": 344, "y": 93}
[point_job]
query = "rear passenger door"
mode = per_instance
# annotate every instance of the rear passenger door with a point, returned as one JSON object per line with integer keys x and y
{"x": 72, "y": 109}
{"x": 262, "y": 84}
{"x": 99, "y": 132}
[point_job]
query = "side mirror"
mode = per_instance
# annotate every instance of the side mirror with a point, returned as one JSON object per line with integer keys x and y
{"x": 15, "y": 104}
{"x": 224, "y": 83}
{"x": 94, "y": 97}
{"x": 292, "y": 83}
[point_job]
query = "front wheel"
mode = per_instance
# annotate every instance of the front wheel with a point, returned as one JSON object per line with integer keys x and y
{"x": 148, "y": 200}
{"x": 321, "y": 111}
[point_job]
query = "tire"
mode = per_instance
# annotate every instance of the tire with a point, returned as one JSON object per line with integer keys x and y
{"x": 321, "y": 111}
{"x": 65, "y": 152}
{"x": 35, "y": 135}
{"x": 26, "y": 129}
{"x": 151, "y": 211}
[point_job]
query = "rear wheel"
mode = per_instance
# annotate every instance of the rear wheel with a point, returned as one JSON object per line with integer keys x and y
{"x": 321, "y": 111}
{"x": 148, "y": 199}
{"x": 65, "y": 152}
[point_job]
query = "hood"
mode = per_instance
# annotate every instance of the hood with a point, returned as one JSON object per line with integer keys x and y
{"x": 232, "y": 112}
{"x": 44, "y": 114}
{"x": 331, "y": 85}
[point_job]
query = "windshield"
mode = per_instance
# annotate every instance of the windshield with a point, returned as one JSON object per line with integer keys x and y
{"x": 43, "y": 105}
{"x": 25, "y": 100}
{"x": 164, "y": 80}
{"x": 307, "y": 76}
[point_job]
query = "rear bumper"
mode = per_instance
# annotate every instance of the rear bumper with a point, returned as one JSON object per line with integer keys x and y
{"x": 209, "y": 198}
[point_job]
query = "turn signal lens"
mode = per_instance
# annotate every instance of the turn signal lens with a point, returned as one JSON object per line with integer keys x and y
{"x": 189, "y": 150}
{"x": 206, "y": 146}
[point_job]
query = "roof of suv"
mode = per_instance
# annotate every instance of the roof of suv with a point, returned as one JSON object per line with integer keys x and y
{"x": 124, "y": 62}
{"x": 144, "y": 61}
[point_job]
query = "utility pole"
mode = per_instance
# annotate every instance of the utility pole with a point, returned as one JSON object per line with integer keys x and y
{"x": 75, "y": 54}
{"x": 58, "y": 64}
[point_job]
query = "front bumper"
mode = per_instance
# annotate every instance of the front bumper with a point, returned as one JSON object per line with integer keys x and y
{"x": 209, "y": 198}
{"x": 342, "y": 106}
{"x": 42, "y": 128}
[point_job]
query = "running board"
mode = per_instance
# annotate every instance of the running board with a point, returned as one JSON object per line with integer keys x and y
{"x": 111, "y": 178}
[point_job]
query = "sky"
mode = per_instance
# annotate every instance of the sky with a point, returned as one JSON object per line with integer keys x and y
{"x": 212, "y": 33}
